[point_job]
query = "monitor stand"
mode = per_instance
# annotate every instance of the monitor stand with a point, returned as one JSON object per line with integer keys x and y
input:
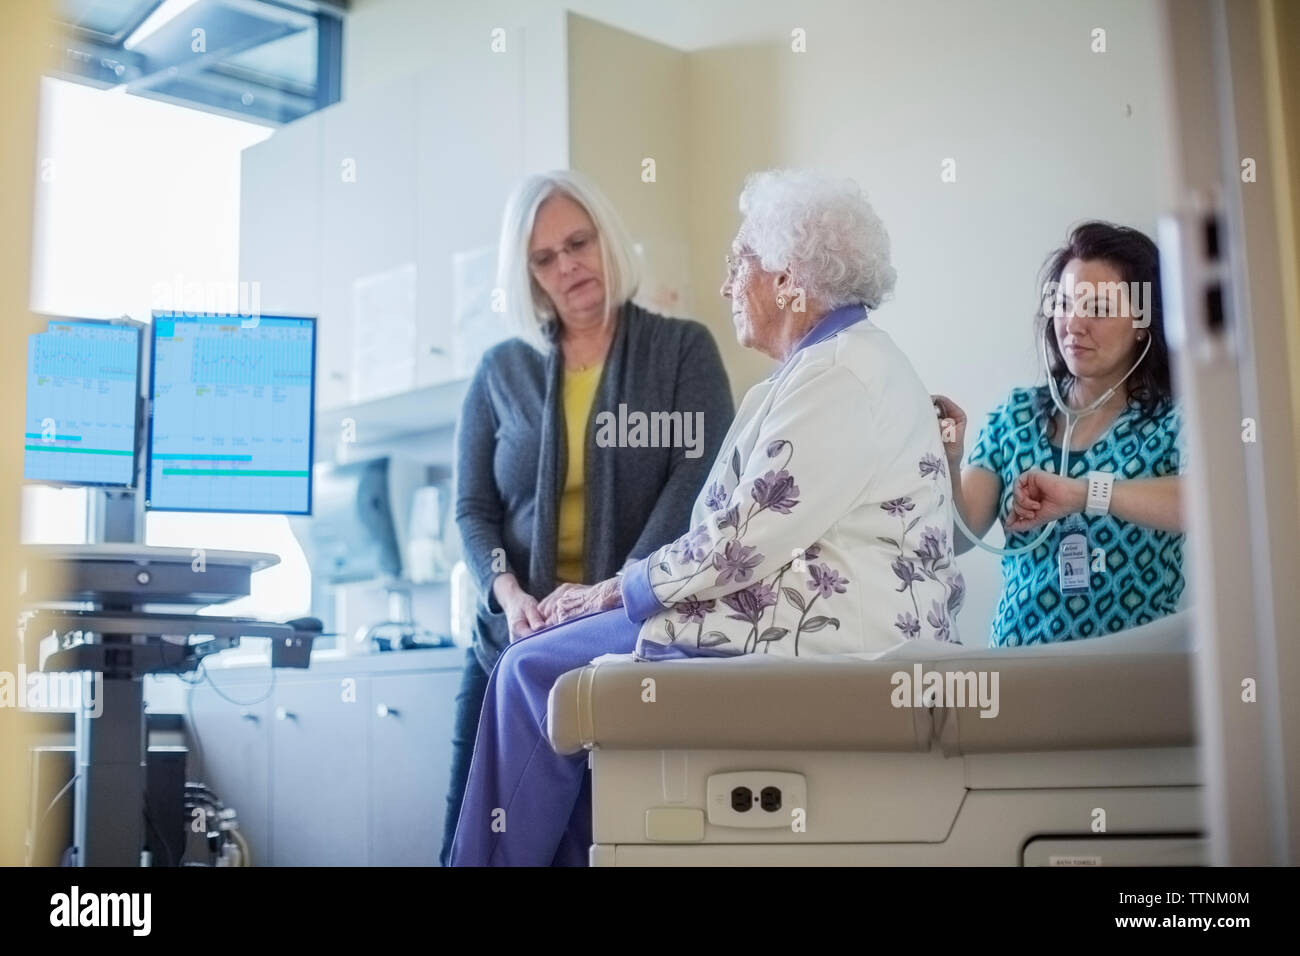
{"x": 111, "y": 748}
{"x": 115, "y": 517}
{"x": 118, "y": 579}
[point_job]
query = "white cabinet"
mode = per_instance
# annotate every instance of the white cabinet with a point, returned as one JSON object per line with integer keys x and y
{"x": 280, "y": 214}
{"x": 280, "y": 226}
{"x": 368, "y": 238}
{"x": 356, "y": 214}
{"x": 471, "y": 154}
{"x": 345, "y": 764}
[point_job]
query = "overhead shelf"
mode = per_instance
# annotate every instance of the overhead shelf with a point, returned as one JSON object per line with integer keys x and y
{"x": 412, "y": 412}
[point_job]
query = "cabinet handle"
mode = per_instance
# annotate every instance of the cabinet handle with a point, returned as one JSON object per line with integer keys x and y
{"x": 282, "y": 714}
{"x": 383, "y": 710}
{"x": 247, "y": 714}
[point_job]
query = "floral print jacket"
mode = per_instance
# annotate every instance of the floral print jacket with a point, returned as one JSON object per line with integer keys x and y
{"x": 825, "y": 525}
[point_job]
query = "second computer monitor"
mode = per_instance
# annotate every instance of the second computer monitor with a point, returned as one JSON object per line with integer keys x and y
{"x": 231, "y": 413}
{"x": 83, "y": 387}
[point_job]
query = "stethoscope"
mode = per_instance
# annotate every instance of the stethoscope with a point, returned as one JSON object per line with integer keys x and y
{"x": 1071, "y": 417}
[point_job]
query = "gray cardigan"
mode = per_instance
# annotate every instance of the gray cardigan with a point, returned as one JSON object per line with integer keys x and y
{"x": 511, "y": 458}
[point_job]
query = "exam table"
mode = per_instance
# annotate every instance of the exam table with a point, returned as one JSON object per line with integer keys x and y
{"x": 1090, "y": 759}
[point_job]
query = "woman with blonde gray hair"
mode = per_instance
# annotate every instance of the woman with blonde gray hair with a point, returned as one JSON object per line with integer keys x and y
{"x": 823, "y": 526}
{"x": 584, "y": 440}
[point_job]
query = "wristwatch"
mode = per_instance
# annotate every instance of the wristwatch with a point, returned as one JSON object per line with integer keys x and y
{"x": 1100, "y": 484}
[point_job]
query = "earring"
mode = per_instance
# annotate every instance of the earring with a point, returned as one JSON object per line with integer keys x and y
{"x": 780, "y": 302}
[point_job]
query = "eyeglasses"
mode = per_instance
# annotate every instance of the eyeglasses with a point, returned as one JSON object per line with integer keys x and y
{"x": 578, "y": 244}
{"x": 733, "y": 261}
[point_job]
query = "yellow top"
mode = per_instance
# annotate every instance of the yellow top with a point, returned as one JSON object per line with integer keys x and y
{"x": 579, "y": 396}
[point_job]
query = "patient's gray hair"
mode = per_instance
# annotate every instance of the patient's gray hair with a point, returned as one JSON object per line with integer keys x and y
{"x": 823, "y": 230}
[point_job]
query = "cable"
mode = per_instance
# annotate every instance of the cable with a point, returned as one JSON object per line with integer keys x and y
{"x": 199, "y": 792}
{"x": 57, "y": 797}
{"x": 36, "y": 831}
{"x": 210, "y": 805}
{"x": 194, "y": 727}
{"x": 247, "y": 854}
{"x": 189, "y": 706}
{"x": 238, "y": 703}
{"x": 1051, "y": 525}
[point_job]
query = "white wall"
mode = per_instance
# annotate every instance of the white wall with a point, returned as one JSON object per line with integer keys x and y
{"x": 629, "y": 104}
{"x": 1044, "y": 132}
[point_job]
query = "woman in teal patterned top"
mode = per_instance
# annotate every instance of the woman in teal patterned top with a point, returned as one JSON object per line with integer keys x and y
{"x": 1101, "y": 303}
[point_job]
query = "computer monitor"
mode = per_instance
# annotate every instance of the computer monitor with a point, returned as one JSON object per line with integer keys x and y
{"x": 231, "y": 413}
{"x": 83, "y": 387}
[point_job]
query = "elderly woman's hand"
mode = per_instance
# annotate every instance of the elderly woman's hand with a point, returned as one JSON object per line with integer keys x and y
{"x": 574, "y": 600}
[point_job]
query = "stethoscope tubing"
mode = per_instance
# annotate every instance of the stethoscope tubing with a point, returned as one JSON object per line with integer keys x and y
{"x": 1071, "y": 417}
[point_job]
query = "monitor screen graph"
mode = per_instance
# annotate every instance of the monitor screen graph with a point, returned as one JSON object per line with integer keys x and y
{"x": 82, "y": 392}
{"x": 231, "y": 414}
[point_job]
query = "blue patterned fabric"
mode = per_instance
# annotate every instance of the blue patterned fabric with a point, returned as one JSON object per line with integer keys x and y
{"x": 1143, "y": 577}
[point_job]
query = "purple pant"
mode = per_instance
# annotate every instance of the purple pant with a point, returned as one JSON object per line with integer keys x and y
{"x": 526, "y": 805}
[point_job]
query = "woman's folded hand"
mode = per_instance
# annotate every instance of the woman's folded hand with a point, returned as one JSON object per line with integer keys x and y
{"x": 574, "y": 600}
{"x": 522, "y": 613}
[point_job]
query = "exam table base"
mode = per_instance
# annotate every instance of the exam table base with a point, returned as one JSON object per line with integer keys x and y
{"x": 1086, "y": 808}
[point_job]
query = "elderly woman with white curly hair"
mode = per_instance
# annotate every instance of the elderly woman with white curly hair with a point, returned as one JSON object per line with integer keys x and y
{"x": 823, "y": 527}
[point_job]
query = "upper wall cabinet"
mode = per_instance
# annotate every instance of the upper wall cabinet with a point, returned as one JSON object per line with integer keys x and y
{"x": 368, "y": 241}
{"x": 280, "y": 218}
{"x": 381, "y": 214}
{"x": 470, "y": 152}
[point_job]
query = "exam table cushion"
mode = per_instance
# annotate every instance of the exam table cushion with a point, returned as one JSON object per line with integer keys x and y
{"x": 1127, "y": 690}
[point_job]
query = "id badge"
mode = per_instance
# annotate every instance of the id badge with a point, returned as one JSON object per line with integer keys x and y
{"x": 1072, "y": 562}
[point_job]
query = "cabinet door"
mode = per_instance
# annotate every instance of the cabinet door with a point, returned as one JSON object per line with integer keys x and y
{"x": 368, "y": 237}
{"x": 318, "y": 785}
{"x": 279, "y": 218}
{"x": 463, "y": 181}
{"x": 280, "y": 241}
{"x": 233, "y": 756}
{"x": 411, "y": 718}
